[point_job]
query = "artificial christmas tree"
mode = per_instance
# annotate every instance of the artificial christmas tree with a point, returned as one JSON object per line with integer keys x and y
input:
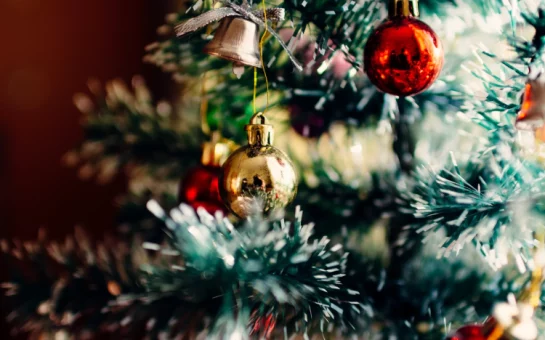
{"x": 422, "y": 213}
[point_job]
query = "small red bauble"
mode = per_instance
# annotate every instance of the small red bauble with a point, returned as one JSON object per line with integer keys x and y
{"x": 199, "y": 188}
{"x": 306, "y": 121}
{"x": 403, "y": 56}
{"x": 468, "y": 332}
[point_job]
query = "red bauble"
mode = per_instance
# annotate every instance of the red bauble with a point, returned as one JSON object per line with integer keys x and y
{"x": 468, "y": 332}
{"x": 403, "y": 56}
{"x": 199, "y": 188}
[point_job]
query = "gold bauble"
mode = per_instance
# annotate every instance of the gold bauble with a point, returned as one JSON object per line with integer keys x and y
{"x": 257, "y": 178}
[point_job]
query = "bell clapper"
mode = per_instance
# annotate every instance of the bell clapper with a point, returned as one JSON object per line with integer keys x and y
{"x": 238, "y": 69}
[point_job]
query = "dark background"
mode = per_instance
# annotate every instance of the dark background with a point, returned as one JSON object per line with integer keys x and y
{"x": 48, "y": 50}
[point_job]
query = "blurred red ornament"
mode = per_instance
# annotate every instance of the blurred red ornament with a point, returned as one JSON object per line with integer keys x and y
{"x": 199, "y": 188}
{"x": 264, "y": 326}
{"x": 468, "y": 332}
{"x": 487, "y": 331}
{"x": 403, "y": 56}
{"x": 306, "y": 121}
{"x": 313, "y": 126}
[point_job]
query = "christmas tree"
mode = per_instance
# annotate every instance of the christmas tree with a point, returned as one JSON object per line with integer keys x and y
{"x": 330, "y": 169}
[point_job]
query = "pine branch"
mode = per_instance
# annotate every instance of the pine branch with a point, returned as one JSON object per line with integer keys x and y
{"x": 213, "y": 280}
{"x": 531, "y": 53}
{"x": 334, "y": 23}
{"x": 497, "y": 112}
{"x": 122, "y": 128}
{"x": 270, "y": 269}
{"x": 85, "y": 291}
{"x": 494, "y": 206}
{"x": 69, "y": 286}
{"x": 428, "y": 294}
{"x": 483, "y": 7}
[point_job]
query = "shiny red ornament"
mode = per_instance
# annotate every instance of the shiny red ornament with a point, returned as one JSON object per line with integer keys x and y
{"x": 403, "y": 56}
{"x": 199, "y": 188}
{"x": 307, "y": 122}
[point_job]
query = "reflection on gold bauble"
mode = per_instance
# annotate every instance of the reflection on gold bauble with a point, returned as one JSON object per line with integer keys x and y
{"x": 257, "y": 178}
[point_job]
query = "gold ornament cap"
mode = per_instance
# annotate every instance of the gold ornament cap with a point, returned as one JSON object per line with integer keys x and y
{"x": 403, "y": 8}
{"x": 260, "y": 133}
{"x": 216, "y": 151}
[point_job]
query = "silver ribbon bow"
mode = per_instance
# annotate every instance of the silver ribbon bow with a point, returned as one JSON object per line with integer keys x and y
{"x": 257, "y": 16}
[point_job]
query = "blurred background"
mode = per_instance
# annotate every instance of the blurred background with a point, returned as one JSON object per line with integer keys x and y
{"x": 49, "y": 51}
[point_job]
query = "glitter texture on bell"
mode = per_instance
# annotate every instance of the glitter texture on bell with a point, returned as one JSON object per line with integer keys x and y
{"x": 257, "y": 178}
{"x": 236, "y": 39}
{"x": 403, "y": 56}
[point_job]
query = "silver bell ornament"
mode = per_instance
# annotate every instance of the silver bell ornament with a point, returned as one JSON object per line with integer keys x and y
{"x": 236, "y": 39}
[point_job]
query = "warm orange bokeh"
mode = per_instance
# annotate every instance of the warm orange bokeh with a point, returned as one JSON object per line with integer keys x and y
{"x": 530, "y": 116}
{"x": 526, "y": 103}
{"x": 403, "y": 56}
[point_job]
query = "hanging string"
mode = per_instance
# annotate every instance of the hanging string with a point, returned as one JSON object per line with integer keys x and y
{"x": 261, "y": 43}
{"x": 205, "y": 128}
{"x": 255, "y": 88}
{"x": 204, "y": 107}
